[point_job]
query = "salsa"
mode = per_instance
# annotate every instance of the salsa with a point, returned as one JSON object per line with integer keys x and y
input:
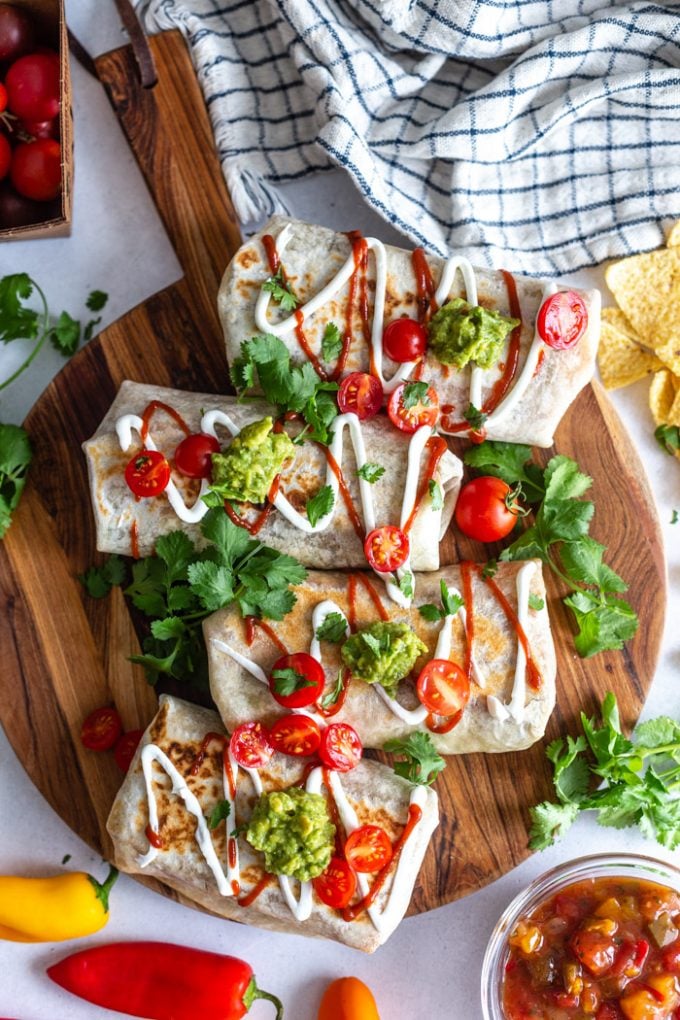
{"x": 606, "y": 948}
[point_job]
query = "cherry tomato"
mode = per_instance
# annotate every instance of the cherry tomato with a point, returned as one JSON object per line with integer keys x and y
{"x": 404, "y": 340}
{"x": 562, "y": 320}
{"x": 148, "y": 473}
{"x": 124, "y": 751}
{"x": 360, "y": 394}
{"x": 387, "y": 548}
{"x": 32, "y": 84}
{"x": 36, "y": 169}
{"x": 101, "y": 729}
{"x": 481, "y": 511}
{"x": 3, "y": 98}
{"x": 41, "y": 128}
{"x": 250, "y": 745}
{"x": 443, "y": 687}
{"x": 17, "y": 211}
{"x": 295, "y": 734}
{"x": 300, "y": 689}
{"x": 340, "y": 747}
{"x": 16, "y": 32}
{"x": 423, "y": 411}
{"x": 336, "y": 886}
{"x": 193, "y": 456}
{"x": 368, "y": 848}
{"x": 5, "y": 156}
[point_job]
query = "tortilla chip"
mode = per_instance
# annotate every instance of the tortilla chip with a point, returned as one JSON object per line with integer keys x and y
{"x": 647, "y": 288}
{"x": 620, "y": 359}
{"x": 673, "y": 239}
{"x": 615, "y": 317}
{"x": 663, "y": 397}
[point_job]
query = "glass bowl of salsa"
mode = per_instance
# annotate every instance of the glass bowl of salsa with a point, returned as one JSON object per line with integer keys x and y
{"x": 598, "y": 937}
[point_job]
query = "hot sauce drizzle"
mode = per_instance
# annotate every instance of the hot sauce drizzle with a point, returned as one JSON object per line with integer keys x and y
{"x": 134, "y": 540}
{"x": 253, "y": 527}
{"x": 208, "y": 739}
{"x": 346, "y": 494}
{"x": 437, "y": 447}
{"x": 346, "y": 679}
{"x": 154, "y": 839}
{"x": 309, "y": 353}
{"x": 534, "y": 678}
{"x": 251, "y": 896}
{"x": 355, "y": 579}
{"x": 466, "y": 579}
{"x": 252, "y": 622}
{"x": 158, "y": 405}
{"x": 269, "y": 245}
{"x": 351, "y": 913}
{"x": 425, "y": 287}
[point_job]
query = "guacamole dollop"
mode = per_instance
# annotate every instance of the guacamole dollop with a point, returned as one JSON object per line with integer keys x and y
{"x": 382, "y": 653}
{"x": 294, "y": 831}
{"x": 246, "y": 469}
{"x": 459, "y": 333}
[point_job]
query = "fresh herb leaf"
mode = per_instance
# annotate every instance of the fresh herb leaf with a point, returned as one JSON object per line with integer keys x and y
{"x": 212, "y": 583}
{"x": 332, "y": 697}
{"x": 288, "y": 681}
{"x": 474, "y": 417}
{"x": 675, "y": 517}
{"x": 65, "y": 859}
{"x": 88, "y": 332}
{"x": 431, "y": 612}
{"x": 96, "y": 300}
{"x": 371, "y": 472}
{"x": 667, "y": 436}
{"x": 436, "y": 495}
{"x": 451, "y": 603}
{"x": 65, "y": 335}
{"x": 320, "y": 505}
{"x": 333, "y": 629}
{"x": 219, "y": 813}
{"x": 406, "y": 584}
{"x": 536, "y": 602}
{"x": 281, "y": 292}
{"x": 331, "y": 343}
{"x": 168, "y": 629}
{"x": 415, "y": 393}
{"x": 490, "y": 569}
{"x": 15, "y": 456}
{"x": 100, "y": 580}
{"x": 511, "y": 462}
{"x": 417, "y": 759}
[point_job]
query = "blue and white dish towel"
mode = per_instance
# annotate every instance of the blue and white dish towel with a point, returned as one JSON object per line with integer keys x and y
{"x": 539, "y": 134}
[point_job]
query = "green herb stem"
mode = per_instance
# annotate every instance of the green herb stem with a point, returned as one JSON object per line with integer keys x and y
{"x": 39, "y": 344}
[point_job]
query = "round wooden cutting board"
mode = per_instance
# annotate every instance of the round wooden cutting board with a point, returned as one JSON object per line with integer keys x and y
{"x": 64, "y": 654}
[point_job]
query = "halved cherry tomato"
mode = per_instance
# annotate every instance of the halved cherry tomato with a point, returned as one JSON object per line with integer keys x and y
{"x": 562, "y": 320}
{"x": 336, "y": 886}
{"x": 482, "y": 512}
{"x": 250, "y": 745}
{"x": 148, "y": 473}
{"x": 360, "y": 394}
{"x": 124, "y": 751}
{"x": 387, "y": 548}
{"x": 193, "y": 456}
{"x": 340, "y": 747}
{"x": 295, "y": 734}
{"x": 297, "y": 680}
{"x": 443, "y": 687}
{"x": 404, "y": 340}
{"x": 101, "y": 729}
{"x": 422, "y": 411}
{"x": 368, "y": 848}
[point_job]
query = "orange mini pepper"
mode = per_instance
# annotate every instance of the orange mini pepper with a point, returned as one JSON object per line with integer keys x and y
{"x": 348, "y": 999}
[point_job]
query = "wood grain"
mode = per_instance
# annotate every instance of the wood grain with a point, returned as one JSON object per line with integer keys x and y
{"x": 63, "y": 654}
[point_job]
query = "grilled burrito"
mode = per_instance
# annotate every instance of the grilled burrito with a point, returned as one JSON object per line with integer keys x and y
{"x": 188, "y": 815}
{"x": 152, "y": 418}
{"x": 480, "y": 648}
{"x": 361, "y": 285}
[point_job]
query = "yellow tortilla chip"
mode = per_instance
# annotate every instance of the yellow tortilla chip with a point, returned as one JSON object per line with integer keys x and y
{"x": 674, "y": 413}
{"x": 662, "y": 396}
{"x": 647, "y": 289}
{"x": 620, "y": 359}
{"x": 673, "y": 239}
{"x": 615, "y": 317}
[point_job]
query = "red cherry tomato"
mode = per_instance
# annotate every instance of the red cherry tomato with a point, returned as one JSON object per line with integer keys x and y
{"x": 250, "y": 745}
{"x": 41, "y": 128}
{"x": 360, "y": 394}
{"x": 404, "y": 340}
{"x": 124, "y": 751}
{"x": 295, "y": 734}
{"x": 336, "y": 886}
{"x": 36, "y": 169}
{"x": 422, "y": 411}
{"x": 32, "y": 84}
{"x": 296, "y": 680}
{"x": 3, "y": 98}
{"x": 368, "y": 848}
{"x": 562, "y": 320}
{"x": 101, "y": 729}
{"x": 481, "y": 511}
{"x": 193, "y": 456}
{"x": 16, "y": 32}
{"x": 386, "y": 548}
{"x": 148, "y": 473}
{"x": 5, "y": 156}
{"x": 340, "y": 747}
{"x": 443, "y": 687}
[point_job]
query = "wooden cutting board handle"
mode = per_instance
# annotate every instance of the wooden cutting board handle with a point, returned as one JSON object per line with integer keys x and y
{"x": 167, "y": 126}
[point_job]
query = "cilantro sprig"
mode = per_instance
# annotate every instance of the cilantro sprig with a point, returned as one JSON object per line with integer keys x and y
{"x": 451, "y": 603}
{"x": 417, "y": 759}
{"x": 639, "y": 779}
{"x": 668, "y": 438}
{"x": 19, "y": 321}
{"x": 559, "y": 537}
{"x": 281, "y": 291}
{"x": 178, "y": 587}
{"x": 265, "y": 360}
{"x": 331, "y": 343}
{"x": 15, "y": 456}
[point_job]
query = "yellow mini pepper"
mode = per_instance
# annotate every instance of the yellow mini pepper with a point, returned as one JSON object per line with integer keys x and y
{"x": 53, "y": 909}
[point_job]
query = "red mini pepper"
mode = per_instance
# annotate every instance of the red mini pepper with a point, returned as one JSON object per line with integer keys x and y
{"x": 161, "y": 981}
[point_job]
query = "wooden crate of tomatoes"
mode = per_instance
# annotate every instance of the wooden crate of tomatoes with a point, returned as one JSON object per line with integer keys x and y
{"x": 36, "y": 130}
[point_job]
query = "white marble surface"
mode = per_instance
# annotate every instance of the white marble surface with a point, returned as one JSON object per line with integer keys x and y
{"x": 431, "y": 966}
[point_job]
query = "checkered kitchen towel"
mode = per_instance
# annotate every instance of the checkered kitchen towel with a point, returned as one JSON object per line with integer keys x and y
{"x": 540, "y": 134}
